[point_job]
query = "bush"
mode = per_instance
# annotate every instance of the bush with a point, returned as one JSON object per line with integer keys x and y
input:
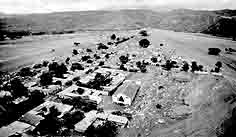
{"x": 26, "y": 71}
{"x": 168, "y": 65}
{"x": 185, "y": 67}
{"x": 218, "y": 66}
{"x": 96, "y": 56}
{"x": 90, "y": 61}
{"x": 143, "y": 33}
{"x": 37, "y": 66}
{"x": 85, "y": 58}
{"x": 107, "y": 56}
{"x": 57, "y": 69}
{"x": 89, "y": 50}
{"x": 124, "y": 59}
{"x": 214, "y": 51}
{"x": 109, "y": 43}
{"x": 46, "y": 79}
{"x": 194, "y": 66}
{"x": 144, "y": 43}
{"x": 102, "y": 46}
{"x": 45, "y": 63}
{"x": 17, "y": 88}
{"x": 101, "y": 63}
{"x": 75, "y": 52}
{"x": 76, "y": 66}
{"x": 122, "y": 67}
{"x": 67, "y": 60}
{"x": 154, "y": 59}
{"x": 113, "y": 37}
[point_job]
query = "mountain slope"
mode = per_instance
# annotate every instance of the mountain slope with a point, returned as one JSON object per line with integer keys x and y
{"x": 177, "y": 20}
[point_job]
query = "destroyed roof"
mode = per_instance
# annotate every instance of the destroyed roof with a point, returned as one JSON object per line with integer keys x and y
{"x": 128, "y": 88}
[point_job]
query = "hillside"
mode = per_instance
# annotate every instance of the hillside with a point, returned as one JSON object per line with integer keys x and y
{"x": 68, "y": 22}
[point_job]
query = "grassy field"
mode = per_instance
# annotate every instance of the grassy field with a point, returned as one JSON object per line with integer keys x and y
{"x": 29, "y": 50}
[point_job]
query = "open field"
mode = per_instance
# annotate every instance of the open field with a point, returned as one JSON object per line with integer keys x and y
{"x": 31, "y": 50}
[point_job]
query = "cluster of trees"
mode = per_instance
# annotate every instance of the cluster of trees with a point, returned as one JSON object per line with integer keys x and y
{"x": 108, "y": 129}
{"x": 99, "y": 81}
{"x": 142, "y": 66}
{"x": 169, "y": 65}
{"x": 214, "y": 51}
{"x": 57, "y": 69}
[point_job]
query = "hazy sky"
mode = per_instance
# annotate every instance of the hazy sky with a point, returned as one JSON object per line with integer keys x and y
{"x": 42, "y": 6}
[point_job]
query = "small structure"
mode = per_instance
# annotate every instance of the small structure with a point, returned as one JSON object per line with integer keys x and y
{"x": 118, "y": 119}
{"x": 91, "y": 94}
{"x": 15, "y": 128}
{"x": 126, "y": 93}
{"x": 33, "y": 117}
{"x": 83, "y": 125}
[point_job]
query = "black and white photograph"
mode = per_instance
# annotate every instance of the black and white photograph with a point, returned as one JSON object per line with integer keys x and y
{"x": 117, "y": 68}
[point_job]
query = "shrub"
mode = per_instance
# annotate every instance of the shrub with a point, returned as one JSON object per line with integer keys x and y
{"x": 154, "y": 59}
{"x": 113, "y": 37}
{"x": 109, "y": 43}
{"x": 17, "y": 88}
{"x": 76, "y": 66}
{"x": 124, "y": 59}
{"x": 96, "y": 56}
{"x": 108, "y": 129}
{"x": 46, "y": 79}
{"x": 144, "y": 43}
{"x": 90, "y": 61}
{"x": 194, "y": 66}
{"x": 26, "y": 71}
{"x": 101, "y": 63}
{"x": 185, "y": 67}
{"x": 107, "y": 56}
{"x": 168, "y": 65}
{"x": 218, "y": 66}
{"x": 214, "y": 51}
{"x": 143, "y": 33}
{"x": 75, "y": 52}
{"x": 57, "y": 69}
{"x": 102, "y": 46}
{"x": 45, "y": 63}
{"x": 67, "y": 60}
{"x": 37, "y": 66}
{"x": 122, "y": 67}
{"x": 89, "y": 50}
{"x": 85, "y": 58}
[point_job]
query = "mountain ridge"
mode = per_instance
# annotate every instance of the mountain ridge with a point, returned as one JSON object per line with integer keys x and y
{"x": 184, "y": 20}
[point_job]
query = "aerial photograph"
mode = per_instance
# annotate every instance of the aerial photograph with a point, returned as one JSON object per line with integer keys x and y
{"x": 117, "y": 68}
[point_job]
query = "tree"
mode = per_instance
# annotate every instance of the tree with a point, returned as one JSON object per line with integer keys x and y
{"x": 214, "y": 51}
{"x": 57, "y": 69}
{"x": 185, "y": 67}
{"x": 113, "y": 37}
{"x": 46, "y": 79}
{"x": 124, "y": 59}
{"x": 17, "y": 88}
{"x": 144, "y": 43}
{"x": 154, "y": 59}
{"x": 2, "y": 30}
{"x": 143, "y": 33}
{"x": 194, "y": 66}
{"x": 75, "y": 52}
{"x": 108, "y": 129}
{"x": 76, "y": 66}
